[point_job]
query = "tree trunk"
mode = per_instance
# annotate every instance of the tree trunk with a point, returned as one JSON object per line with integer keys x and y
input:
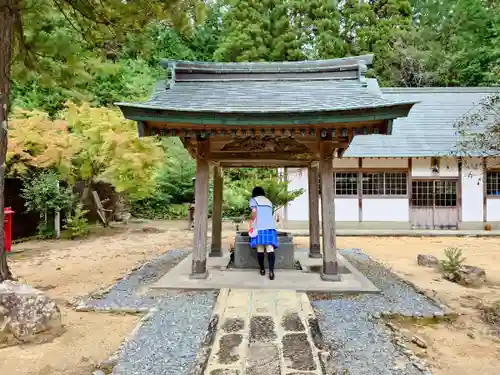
{"x": 7, "y": 20}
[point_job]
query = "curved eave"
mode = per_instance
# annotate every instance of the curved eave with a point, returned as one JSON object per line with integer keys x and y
{"x": 139, "y": 112}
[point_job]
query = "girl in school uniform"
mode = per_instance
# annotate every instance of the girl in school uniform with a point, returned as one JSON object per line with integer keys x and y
{"x": 262, "y": 230}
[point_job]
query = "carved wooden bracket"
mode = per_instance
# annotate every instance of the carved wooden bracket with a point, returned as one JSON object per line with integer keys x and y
{"x": 266, "y": 144}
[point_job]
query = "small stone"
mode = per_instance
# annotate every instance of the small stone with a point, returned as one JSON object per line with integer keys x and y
{"x": 470, "y": 276}
{"x": 419, "y": 342}
{"x": 427, "y": 260}
{"x": 98, "y": 372}
{"x": 471, "y": 335}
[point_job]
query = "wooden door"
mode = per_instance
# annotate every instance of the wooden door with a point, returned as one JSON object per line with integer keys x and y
{"x": 434, "y": 204}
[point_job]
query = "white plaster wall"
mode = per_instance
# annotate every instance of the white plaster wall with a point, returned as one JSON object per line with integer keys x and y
{"x": 345, "y": 163}
{"x": 386, "y": 209}
{"x": 385, "y": 163}
{"x": 493, "y": 209}
{"x": 346, "y": 209}
{"x": 298, "y": 209}
{"x": 472, "y": 190}
{"x": 421, "y": 167}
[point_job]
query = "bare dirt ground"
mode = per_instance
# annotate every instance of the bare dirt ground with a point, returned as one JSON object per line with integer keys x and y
{"x": 70, "y": 269}
{"x": 466, "y": 346}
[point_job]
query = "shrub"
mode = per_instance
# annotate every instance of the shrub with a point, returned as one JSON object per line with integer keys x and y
{"x": 44, "y": 195}
{"x": 76, "y": 222}
{"x": 452, "y": 263}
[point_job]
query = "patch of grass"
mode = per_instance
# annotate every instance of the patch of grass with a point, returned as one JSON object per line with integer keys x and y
{"x": 491, "y": 315}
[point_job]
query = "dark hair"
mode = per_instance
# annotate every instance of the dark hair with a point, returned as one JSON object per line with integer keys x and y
{"x": 258, "y": 192}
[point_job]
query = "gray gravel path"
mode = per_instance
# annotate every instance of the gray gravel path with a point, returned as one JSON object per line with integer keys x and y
{"x": 168, "y": 342}
{"x": 126, "y": 295}
{"x": 361, "y": 343}
{"x": 169, "y": 338}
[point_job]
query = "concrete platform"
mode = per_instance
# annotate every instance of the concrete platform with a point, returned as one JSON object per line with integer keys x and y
{"x": 307, "y": 280}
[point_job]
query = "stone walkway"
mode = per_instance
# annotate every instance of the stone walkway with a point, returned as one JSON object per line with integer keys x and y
{"x": 264, "y": 333}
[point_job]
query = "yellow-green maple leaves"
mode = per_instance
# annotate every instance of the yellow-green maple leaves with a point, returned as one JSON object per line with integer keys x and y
{"x": 86, "y": 144}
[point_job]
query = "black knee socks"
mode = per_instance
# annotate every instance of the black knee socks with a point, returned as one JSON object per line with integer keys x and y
{"x": 260, "y": 258}
{"x": 271, "y": 258}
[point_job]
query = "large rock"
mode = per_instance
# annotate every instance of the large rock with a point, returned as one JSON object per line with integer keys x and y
{"x": 27, "y": 315}
{"x": 470, "y": 276}
{"x": 426, "y": 260}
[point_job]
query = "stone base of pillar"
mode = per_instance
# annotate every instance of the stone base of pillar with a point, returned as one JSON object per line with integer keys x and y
{"x": 335, "y": 277}
{"x": 315, "y": 252}
{"x": 215, "y": 252}
{"x": 199, "y": 269}
{"x": 198, "y": 276}
{"x": 330, "y": 272}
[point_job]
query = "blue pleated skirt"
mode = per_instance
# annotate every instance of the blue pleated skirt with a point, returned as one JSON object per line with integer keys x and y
{"x": 265, "y": 237}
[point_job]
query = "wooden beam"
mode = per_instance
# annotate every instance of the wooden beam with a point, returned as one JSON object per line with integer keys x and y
{"x": 459, "y": 191}
{"x": 360, "y": 190}
{"x": 409, "y": 185}
{"x": 230, "y": 156}
{"x": 199, "y": 263}
{"x": 216, "y": 247}
{"x": 263, "y": 163}
{"x": 484, "y": 165}
{"x": 330, "y": 266}
{"x": 314, "y": 238}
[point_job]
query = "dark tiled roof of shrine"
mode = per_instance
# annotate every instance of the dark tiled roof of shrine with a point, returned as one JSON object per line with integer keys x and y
{"x": 267, "y": 87}
{"x": 430, "y": 127}
{"x": 265, "y": 97}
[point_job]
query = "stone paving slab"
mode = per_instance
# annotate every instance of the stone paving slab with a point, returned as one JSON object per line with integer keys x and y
{"x": 219, "y": 277}
{"x": 263, "y": 332}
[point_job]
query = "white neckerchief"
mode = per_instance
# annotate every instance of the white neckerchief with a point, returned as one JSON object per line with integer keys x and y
{"x": 263, "y": 201}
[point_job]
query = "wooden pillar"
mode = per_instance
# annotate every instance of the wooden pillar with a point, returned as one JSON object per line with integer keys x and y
{"x": 216, "y": 248}
{"x": 330, "y": 267}
{"x": 313, "y": 178}
{"x": 199, "y": 264}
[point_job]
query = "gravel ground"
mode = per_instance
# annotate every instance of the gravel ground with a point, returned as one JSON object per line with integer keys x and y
{"x": 361, "y": 343}
{"x": 168, "y": 342}
{"x": 126, "y": 294}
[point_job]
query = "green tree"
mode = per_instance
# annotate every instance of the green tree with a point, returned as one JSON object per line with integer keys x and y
{"x": 99, "y": 22}
{"x": 479, "y": 129}
{"x": 237, "y": 192}
{"x": 207, "y": 35}
{"x": 173, "y": 183}
{"x": 322, "y": 29}
{"x": 245, "y": 32}
{"x": 286, "y": 41}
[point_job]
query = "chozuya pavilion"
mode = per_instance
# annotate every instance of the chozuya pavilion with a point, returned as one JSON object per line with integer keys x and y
{"x": 276, "y": 114}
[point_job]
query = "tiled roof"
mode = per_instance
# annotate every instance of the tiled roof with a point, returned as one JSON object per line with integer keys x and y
{"x": 267, "y": 67}
{"x": 429, "y": 129}
{"x": 267, "y": 87}
{"x": 265, "y": 97}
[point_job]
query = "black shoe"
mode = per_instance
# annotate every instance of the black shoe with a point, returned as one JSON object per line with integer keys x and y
{"x": 271, "y": 275}
{"x": 262, "y": 272}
